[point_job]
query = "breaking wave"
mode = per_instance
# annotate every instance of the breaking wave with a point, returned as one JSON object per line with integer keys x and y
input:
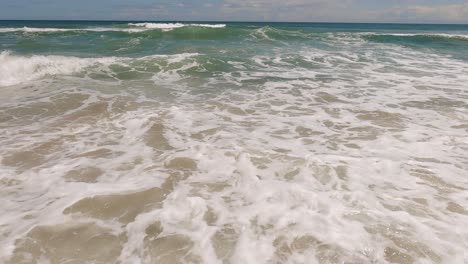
{"x": 15, "y": 69}
{"x": 133, "y": 27}
{"x": 171, "y": 26}
{"x": 417, "y": 38}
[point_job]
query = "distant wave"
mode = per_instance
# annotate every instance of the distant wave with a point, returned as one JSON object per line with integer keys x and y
{"x": 421, "y": 36}
{"x": 27, "y": 29}
{"x": 177, "y": 31}
{"x": 46, "y": 30}
{"x": 171, "y": 26}
{"x": 134, "y": 27}
{"x": 191, "y": 31}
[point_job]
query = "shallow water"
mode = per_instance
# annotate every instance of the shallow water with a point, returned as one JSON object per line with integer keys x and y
{"x": 233, "y": 143}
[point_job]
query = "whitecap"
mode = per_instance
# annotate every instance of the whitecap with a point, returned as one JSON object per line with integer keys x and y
{"x": 441, "y": 35}
{"x": 51, "y": 30}
{"x": 171, "y": 26}
{"x": 16, "y": 69}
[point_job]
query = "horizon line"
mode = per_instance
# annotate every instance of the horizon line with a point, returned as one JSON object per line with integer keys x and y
{"x": 229, "y": 21}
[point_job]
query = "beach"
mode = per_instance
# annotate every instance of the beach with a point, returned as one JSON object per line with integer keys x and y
{"x": 202, "y": 142}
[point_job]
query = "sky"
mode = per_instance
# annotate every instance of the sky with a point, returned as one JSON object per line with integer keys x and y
{"x": 399, "y": 11}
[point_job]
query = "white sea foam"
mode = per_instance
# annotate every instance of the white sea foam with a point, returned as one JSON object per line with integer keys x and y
{"x": 354, "y": 155}
{"x": 50, "y": 30}
{"x": 444, "y": 35}
{"x": 28, "y": 29}
{"x": 15, "y": 69}
{"x": 137, "y": 27}
{"x": 171, "y": 26}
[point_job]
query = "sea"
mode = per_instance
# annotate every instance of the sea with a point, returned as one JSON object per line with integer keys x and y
{"x": 202, "y": 142}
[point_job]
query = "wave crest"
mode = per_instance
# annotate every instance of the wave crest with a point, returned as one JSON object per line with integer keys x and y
{"x": 15, "y": 69}
{"x": 53, "y": 30}
{"x": 171, "y": 26}
{"x": 135, "y": 27}
{"x": 415, "y": 37}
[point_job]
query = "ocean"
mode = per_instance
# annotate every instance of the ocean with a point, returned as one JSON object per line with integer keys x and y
{"x": 202, "y": 142}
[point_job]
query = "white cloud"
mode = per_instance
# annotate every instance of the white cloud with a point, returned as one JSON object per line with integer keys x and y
{"x": 449, "y": 13}
{"x": 344, "y": 11}
{"x": 283, "y": 10}
{"x": 143, "y": 13}
{"x": 269, "y": 3}
{"x": 411, "y": 11}
{"x": 442, "y": 13}
{"x": 425, "y": 11}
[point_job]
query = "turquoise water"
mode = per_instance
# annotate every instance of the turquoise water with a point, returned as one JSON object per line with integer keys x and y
{"x": 113, "y": 38}
{"x": 202, "y": 142}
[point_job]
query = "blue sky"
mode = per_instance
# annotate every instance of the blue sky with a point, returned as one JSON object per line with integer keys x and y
{"x": 417, "y": 11}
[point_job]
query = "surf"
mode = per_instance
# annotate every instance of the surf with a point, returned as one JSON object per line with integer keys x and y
{"x": 168, "y": 142}
{"x": 16, "y": 69}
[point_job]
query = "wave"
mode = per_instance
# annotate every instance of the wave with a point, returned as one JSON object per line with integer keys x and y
{"x": 15, "y": 69}
{"x": 271, "y": 33}
{"x": 416, "y": 38}
{"x": 134, "y": 27}
{"x": 52, "y": 30}
{"x": 440, "y": 35}
{"x": 171, "y": 26}
{"x": 184, "y": 31}
{"x": 27, "y": 29}
{"x": 220, "y": 31}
